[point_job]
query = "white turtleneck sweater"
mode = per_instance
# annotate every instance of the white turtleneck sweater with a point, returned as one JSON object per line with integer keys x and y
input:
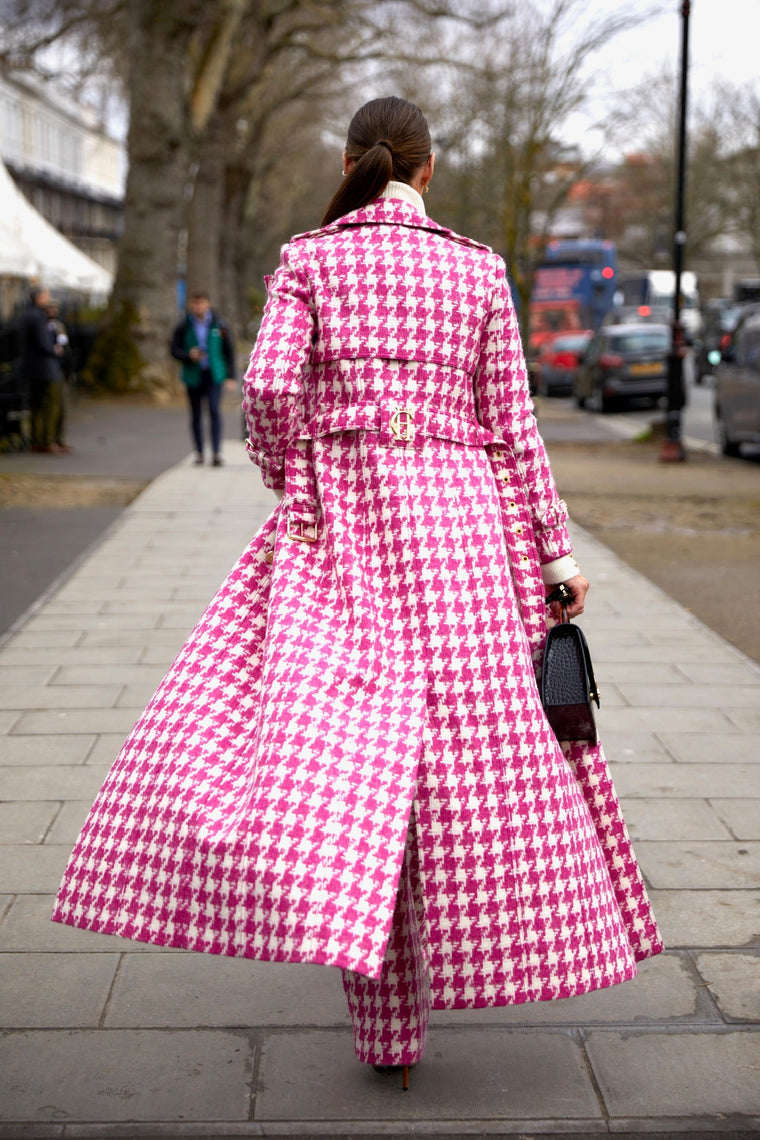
{"x": 406, "y": 193}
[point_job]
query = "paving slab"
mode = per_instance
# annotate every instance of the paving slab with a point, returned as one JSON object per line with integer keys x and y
{"x": 745, "y": 719}
{"x": 79, "y": 656}
{"x": 57, "y": 720}
{"x": 8, "y": 721}
{"x": 86, "y": 604}
{"x": 106, "y": 748}
{"x": 734, "y": 981}
{"x": 43, "y": 991}
{"x": 689, "y": 695}
{"x": 673, "y": 819}
{"x": 32, "y": 869}
{"x": 68, "y": 822}
{"x": 138, "y": 696}
{"x": 741, "y": 817}
{"x": 744, "y": 673}
{"x": 45, "y": 750}
{"x": 197, "y": 990}
{"x": 26, "y": 926}
{"x": 51, "y": 782}
{"x": 26, "y": 822}
{"x": 666, "y": 718}
{"x": 135, "y": 1075}
{"x": 64, "y": 696}
{"x": 83, "y": 623}
{"x": 699, "y": 865}
{"x": 710, "y": 748}
{"x": 491, "y": 1073}
{"x": 645, "y": 1075}
{"x": 162, "y": 655}
{"x": 25, "y": 675}
{"x": 47, "y": 639}
{"x": 635, "y": 748}
{"x": 107, "y": 675}
{"x": 729, "y": 918}
{"x": 141, "y": 638}
{"x": 631, "y": 647}
{"x": 647, "y": 781}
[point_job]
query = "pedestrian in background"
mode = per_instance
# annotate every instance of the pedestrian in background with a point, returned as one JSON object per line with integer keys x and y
{"x": 349, "y": 763}
{"x": 40, "y": 370}
{"x": 60, "y": 336}
{"x": 203, "y": 344}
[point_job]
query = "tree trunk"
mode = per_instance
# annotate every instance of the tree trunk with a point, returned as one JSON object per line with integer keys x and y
{"x": 234, "y": 245}
{"x": 206, "y": 218}
{"x": 132, "y": 350}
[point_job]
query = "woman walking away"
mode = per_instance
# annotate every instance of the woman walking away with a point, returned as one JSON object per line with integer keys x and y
{"x": 349, "y": 762}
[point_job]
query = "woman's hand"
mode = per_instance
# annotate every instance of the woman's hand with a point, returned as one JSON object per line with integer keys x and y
{"x": 578, "y": 587}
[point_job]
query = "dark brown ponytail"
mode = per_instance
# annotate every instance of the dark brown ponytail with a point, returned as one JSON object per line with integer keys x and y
{"x": 387, "y": 139}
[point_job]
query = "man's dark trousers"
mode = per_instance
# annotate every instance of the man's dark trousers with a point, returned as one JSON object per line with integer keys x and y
{"x": 212, "y": 393}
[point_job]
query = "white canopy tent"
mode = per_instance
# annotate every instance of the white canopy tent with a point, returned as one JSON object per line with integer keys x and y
{"x": 31, "y": 247}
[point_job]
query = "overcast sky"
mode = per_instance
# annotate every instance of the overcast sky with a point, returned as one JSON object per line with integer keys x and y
{"x": 723, "y": 41}
{"x": 723, "y": 44}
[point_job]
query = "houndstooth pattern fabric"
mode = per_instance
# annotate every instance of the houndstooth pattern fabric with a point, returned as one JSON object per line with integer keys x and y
{"x": 390, "y": 1015}
{"x": 261, "y": 805}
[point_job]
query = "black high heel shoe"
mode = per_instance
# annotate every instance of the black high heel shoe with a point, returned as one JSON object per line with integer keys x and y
{"x": 386, "y": 1070}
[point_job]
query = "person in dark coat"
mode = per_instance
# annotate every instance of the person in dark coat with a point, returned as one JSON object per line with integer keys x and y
{"x": 40, "y": 371}
{"x": 59, "y": 333}
{"x": 202, "y": 342}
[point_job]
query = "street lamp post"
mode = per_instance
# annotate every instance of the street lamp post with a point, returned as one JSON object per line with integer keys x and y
{"x": 672, "y": 448}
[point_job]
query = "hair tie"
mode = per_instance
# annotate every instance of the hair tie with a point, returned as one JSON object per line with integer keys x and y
{"x": 386, "y": 144}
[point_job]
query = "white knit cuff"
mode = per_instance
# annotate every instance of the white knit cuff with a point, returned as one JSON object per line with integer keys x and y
{"x": 559, "y": 570}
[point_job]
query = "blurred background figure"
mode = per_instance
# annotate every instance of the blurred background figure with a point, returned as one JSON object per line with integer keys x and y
{"x": 203, "y": 344}
{"x": 40, "y": 370}
{"x": 60, "y": 337}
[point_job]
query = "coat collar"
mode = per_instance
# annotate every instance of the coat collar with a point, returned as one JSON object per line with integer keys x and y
{"x": 389, "y": 212}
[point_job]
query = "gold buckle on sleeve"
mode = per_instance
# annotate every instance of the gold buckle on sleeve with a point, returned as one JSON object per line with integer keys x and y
{"x": 301, "y": 531}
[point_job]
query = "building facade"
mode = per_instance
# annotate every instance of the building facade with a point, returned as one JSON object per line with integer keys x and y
{"x": 65, "y": 163}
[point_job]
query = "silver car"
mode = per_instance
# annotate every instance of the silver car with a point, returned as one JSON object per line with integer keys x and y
{"x": 737, "y": 385}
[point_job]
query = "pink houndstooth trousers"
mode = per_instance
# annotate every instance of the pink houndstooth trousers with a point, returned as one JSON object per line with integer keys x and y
{"x": 390, "y": 1015}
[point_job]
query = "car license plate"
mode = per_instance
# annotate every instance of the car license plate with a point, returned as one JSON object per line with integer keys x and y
{"x": 653, "y": 368}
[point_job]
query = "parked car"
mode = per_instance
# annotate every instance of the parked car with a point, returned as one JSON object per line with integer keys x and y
{"x": 737, "y": 385}
{"x": 718, "y": 322}
{"x": 558, "y": 363}
{"x": 623, "y": 362}
{"x": 638, "y": 315}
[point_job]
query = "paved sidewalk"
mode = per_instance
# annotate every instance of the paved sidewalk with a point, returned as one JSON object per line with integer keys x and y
{"x": 105, "y": 1038}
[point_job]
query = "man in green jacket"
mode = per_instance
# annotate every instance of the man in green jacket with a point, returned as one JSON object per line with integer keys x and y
{"x": 203, "y": 344}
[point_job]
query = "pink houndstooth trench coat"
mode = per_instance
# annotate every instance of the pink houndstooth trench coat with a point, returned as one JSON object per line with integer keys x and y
{"x": 368, "y": 665}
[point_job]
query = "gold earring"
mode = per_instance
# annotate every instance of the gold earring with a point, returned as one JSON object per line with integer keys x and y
{"x": 426, "y": 188}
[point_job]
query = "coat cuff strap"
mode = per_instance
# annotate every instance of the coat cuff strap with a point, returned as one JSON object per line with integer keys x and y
{"x": 559, "y": 570}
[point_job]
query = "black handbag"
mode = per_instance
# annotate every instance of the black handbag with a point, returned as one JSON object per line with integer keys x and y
{"x": 568, "y": 686}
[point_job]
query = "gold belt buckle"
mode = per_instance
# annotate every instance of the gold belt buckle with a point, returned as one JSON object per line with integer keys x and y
{"x": 402, "y": 424}
{"x": 301, "y": 531}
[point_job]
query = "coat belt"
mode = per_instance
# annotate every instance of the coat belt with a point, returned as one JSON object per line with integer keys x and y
{"x": 400, "y": 425}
